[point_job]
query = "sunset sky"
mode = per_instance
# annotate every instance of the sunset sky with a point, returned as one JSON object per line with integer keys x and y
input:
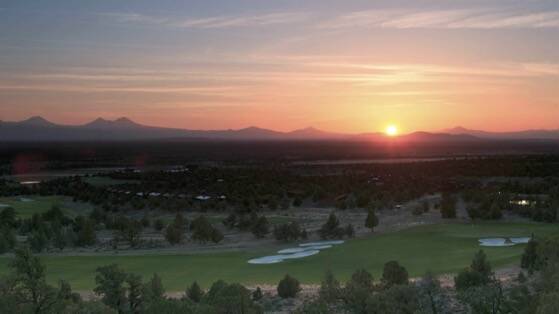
{"x": 345, "y": 65}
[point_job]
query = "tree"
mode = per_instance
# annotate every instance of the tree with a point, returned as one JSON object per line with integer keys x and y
{"x": 481, "y": 264}
{"x": 288, "y": 232}
{"x": 448, "y": 206}
{"x": 153, "y": 290}
{"x": 530, "y": 256}
{"x": 194, "y": 292}
{"x": 489, "y": 298}
{"x": 159, "y": 224}
{"x": 8, "y": 217}
{"x": 29, "y": 283}
{"x": 86, "y": 232}
{"x": 357, "y": 290}
{"x": 216, "y": 236}
{"x": 288, "y": 287}
{"x": 230, "y": 298}
{"x": 349, "y": 231}
{"x": 478, "y": 274}
{"x": 372, "y": 220}
{"x": 257, "y": 294}
{"x": 37, "y": 241}
{"x": 231, "y": 221}
{"x": 432, "y": 299}
{"x": 136, "y": 291}
{"x": 7, "y": 240}
{"x": 145, "y": 221}
{"x": 425, "y": 206}
{"x": 64, "y": 237}
{"x": 331, "y": 229}
{"x": 110, "y": 286}
{"x": 202, "y": 230}
{"x": 131, "y": 233}
{"x": 174, "y": 234}
{"x": 330, "y": 290}
{"x": 396, "y": 299}
{"x": 394, "y": 274}
{"x": 261, "y": 227}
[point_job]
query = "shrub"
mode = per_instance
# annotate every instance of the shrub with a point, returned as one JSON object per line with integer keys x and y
{"x": 159, "y": 224}
{"x": 331, "y": 229}
{"x": 288, "y": 232}
{"x": 230, "y": 298}
{"x": 372, "y": 220}
{"x": 448, "y": 206}
{"x": 349, "y": 231}
{"x": 479, "y": 273}
{"x": 288, "y": 287}
{"x": 257, "y": 294}
{"x": 194, "y": 292}
{"x": 173, "y": 234}
{"x": 394, "y": 274}
{"x": 397, "y": 299}
{"x": 261, "y": 227}
{"x": 358, "y": 289}
{"x": 330, "y": 290}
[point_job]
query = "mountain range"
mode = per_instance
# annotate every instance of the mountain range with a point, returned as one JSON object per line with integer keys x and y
{"x": 124, "y": 129}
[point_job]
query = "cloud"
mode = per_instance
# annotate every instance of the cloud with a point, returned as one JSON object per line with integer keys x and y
{"x": 445, "y": 19}
{"x": 211, "y": 22}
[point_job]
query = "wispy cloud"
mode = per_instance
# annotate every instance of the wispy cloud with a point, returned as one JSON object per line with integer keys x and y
{"x": 445, "y": 19}
{"x": 211, "y": 22}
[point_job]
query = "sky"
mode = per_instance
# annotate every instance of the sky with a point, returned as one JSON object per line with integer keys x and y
{"x": 337, "y": 65}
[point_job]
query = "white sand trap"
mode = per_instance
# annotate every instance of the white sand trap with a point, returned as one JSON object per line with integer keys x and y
{"x": 293, "y": 250}
{"x": 273, "y": 259}
{"x": 303, "y": 249}
{"x": 301, "y": 254}
{"x": 320, "y": 243}
{"x": 29, "y": 182}
{"x": 318, "y": 247}
{"x": 495, "y": 242}
{"x": 521, "y": 240}
{"x": 25, "y": 200}
{"x": 4, "y": 205}
{"x": 267, "y": 260}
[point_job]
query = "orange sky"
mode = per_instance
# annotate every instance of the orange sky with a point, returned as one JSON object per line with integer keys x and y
{"x": 349, "y": 67}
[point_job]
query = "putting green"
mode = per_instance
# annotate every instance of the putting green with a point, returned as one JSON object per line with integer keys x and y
{"x": 440, "y": 248}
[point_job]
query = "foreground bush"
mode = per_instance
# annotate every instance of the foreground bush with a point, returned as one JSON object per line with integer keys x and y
{"x": 288, "y": 287}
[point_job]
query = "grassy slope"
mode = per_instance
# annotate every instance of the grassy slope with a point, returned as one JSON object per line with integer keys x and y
{"x": 439, "y": 248}
{"x": 41, "y": 204}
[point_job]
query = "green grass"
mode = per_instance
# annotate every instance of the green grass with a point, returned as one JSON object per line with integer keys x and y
{"x": 439, "y": 248}
{"x": 41, "y": 204}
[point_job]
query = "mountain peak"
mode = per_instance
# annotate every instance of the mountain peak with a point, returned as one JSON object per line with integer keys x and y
{"x": 37, "y": 121}
{"x": 118, "y": 123}
{"x": 124, "y": 120}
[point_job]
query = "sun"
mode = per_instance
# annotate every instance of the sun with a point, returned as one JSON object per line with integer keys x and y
{"x": 391, "y": 130}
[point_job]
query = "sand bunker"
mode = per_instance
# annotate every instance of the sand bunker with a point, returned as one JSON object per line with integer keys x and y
{"x": 4, "y": 205}
{"x": 503, "y": 242}
{"x": 267, "y": 260}
{"x": 293, "y": 250}
{"x": 304, "y": 250}
{"x": 25, "y": 200}
{"x": 521, "y": 240}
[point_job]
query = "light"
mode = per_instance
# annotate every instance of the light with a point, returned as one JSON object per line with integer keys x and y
{"x": 391, "y": 130}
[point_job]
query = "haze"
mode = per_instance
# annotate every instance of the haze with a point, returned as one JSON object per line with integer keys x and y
{"x": 346, "y": 66}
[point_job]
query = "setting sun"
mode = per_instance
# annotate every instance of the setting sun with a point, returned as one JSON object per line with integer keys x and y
{"x": 391, "y": 130}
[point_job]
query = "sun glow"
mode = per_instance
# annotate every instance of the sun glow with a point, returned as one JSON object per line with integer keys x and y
{"x": 391, "y": 130}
